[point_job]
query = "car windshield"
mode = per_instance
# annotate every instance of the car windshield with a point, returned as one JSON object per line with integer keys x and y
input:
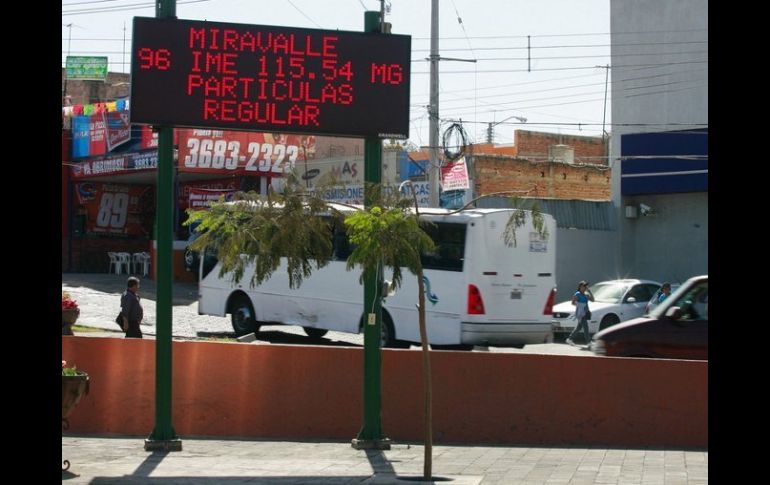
{"x": 692, "y": 302}
{"x": 608, "y": 292}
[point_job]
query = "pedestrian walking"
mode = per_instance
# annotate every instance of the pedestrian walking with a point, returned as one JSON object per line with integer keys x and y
{"x": 131, "y": 309}
{"x": 582, "y": 313}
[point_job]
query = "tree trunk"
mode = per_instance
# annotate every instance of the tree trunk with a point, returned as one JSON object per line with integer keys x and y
{"x": 426, "y": 381}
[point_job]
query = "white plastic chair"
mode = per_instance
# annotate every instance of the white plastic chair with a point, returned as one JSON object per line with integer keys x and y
{"x": 114, "y": 262}
{"x": 142, "y": 259}
{"x": 124, "y": 259}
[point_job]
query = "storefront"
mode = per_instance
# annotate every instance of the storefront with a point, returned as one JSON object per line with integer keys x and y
{"x": 109, "y": 186}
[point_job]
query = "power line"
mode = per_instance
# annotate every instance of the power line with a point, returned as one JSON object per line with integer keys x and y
{"x": 303, "y": 13}
{"x": 120, "y": 8}
{"x": 85, "y": 3}
{"x": 581, "y": 57}
{"x": 650, "y": 32}
{"x": 624, "y": 66}
{"x": 565, "y": 46}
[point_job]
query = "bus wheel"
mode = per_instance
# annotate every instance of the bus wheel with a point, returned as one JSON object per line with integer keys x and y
{"x": 313, "y": 332}
{"x": 242, "y": 313}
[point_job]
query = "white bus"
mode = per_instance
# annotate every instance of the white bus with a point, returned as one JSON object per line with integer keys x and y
{"x": 479, "y": 291}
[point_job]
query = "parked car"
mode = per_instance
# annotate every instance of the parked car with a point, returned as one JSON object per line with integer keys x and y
{"x": 192, "y": 258}
{"x": 676, "y": 329}
{"x": 653, "y": 303}
{"x": 615, "y": 301}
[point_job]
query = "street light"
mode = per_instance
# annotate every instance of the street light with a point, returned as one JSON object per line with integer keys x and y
{"x": 492, "y": 124}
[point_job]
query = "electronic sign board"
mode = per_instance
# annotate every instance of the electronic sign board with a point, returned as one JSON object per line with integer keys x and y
{"x": 193, "y": 73}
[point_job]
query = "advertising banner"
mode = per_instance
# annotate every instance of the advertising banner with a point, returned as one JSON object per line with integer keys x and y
{"x": 149, "y": 138}
{"x": 243, "y": 153}
{"x": 99, "y": 133}
{"x": 454, "y": 175}
{"x": 202, "y": 198}
{"x": 118, "y": 128}
{"x": 115, "y": 164}
{"x": 88, "y": 136}
{"x": 116, "y": 209}
{"x": 86, "y": 68}
{"x": 219, "y": 186}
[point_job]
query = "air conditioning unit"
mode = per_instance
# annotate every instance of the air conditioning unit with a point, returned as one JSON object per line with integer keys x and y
{"x": 561, "y": 153}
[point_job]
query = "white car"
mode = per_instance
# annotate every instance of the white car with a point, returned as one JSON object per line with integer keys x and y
{"x": 615, "y": 301}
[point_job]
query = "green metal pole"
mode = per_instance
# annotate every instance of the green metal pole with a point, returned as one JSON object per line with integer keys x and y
{"x": 163, "y": 436}
{"x": 370, "y": 436}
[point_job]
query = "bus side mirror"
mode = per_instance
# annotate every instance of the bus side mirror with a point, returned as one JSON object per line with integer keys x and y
{"x": 388, "y": 289}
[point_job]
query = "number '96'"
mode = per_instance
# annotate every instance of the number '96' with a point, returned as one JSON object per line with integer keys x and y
{"x": 154, "y": 59}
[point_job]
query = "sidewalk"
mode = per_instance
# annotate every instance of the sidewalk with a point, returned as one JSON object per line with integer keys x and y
{"x": 99, "y": 460}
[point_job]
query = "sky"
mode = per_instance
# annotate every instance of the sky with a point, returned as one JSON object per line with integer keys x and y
{"x": 555, "y": 85}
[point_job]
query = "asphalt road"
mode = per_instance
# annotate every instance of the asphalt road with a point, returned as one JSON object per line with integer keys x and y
{"x": 98, "y": 296}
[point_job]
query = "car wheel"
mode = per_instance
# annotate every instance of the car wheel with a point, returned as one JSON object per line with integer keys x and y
{"x": 190, "y": 262}
{"x": 242, "y": 315}
{"x": 313, "y": 332}
{"x": 608, "y": 321}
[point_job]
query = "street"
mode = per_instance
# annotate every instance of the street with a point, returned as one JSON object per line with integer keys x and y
{"x": 98, "y": 297}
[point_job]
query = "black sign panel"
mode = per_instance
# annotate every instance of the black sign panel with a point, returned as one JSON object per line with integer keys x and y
{"x": 193, "y": 73}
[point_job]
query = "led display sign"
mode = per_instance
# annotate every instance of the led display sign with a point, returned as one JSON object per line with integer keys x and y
{"x": 193, "y": 73}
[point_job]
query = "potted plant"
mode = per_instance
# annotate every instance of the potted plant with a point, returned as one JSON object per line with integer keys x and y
{"x": 69, "y": 313}
{"x": 74, "y": 385}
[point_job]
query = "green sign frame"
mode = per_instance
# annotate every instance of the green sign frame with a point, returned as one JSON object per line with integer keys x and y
{"x": 87, "y": 68}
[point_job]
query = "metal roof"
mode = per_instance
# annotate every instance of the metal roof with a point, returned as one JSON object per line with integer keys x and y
{"x": 578, "y": 214}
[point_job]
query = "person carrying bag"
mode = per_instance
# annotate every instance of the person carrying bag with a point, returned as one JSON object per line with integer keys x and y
{"x": 582, "y": 313}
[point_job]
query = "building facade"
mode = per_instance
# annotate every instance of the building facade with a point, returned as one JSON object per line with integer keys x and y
{"x": 659, "y": 144}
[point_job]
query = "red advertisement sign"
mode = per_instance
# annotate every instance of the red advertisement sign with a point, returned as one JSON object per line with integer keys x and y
{"x": 242, "y": 153}
{"x": 116, "y": 209}
{"x": 115, "y": 164}
{"x": 454, "y": 175}
{"x": 202, "y": 198}
{"x": 149, "y": 138}
{"x": 218, "y": 186}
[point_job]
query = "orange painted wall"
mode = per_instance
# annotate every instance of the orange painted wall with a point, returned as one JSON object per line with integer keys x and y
{"x": 298, "y": 392}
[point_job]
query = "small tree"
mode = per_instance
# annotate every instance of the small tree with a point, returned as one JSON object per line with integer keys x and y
{"x": 394, "y": 237}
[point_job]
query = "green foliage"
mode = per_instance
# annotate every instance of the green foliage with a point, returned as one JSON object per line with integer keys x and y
{"x": 391, "y": 235}
{"x": 69, "y": 371}
{"x": 262, "y": 229}
{"x": 519, "y": 218}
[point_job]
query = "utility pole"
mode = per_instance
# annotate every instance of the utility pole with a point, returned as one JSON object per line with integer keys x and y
{"x": 606, "y": 79}
{"x": 491, "y": 126}
{"x": 433, "y": 127}
{"x": 69, "y": 47}
{"x": 371, "y": 435}
{"x": 163, "y": 436}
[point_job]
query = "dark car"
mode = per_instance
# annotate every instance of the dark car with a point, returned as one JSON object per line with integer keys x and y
{"x": 676, "y": 329}
{"x": 192, "y": 258}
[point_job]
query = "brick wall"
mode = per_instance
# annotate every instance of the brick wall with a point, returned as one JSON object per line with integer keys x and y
{"x": 534, "y": 145}
{"x": 85, "y": 92}
{"x": 541, "y": 178}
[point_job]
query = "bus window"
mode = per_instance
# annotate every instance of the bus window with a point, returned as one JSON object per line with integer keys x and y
{"x": 342, "y": 246}
{"x": 449, "y": 239}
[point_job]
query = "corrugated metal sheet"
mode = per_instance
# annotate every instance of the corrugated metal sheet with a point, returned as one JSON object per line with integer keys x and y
{"x": 578, "y": 214}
